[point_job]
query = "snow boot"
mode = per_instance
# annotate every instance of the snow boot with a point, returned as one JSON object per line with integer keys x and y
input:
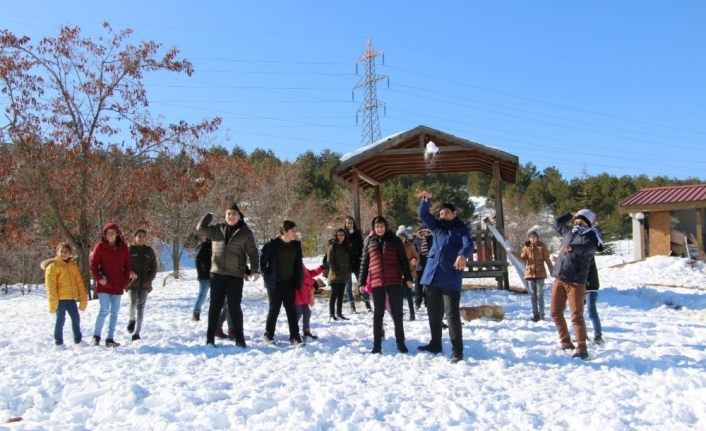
{"x": 377, "y": 348}
{"x": 130, "y": 326}
{"x": 307, "y": 333}
{"x": 569, "y": 346}
{"x": 268, "y": 339}
{"x": 368, "y": 307}
{"x": 342, "y": 317}
{"x": 353, "y": 308}
{"x": 580, "y": 355}
{"x": 220, "y": 334}
{"x": 402, "y": 348}
{"x": 332, "y": 317}
{"x": 136, "y": 337}
{"x": 109, "y": 342}
{"x": 598, "y": 340}
{"x": 196, "y": 316}
{"x": 96, "y": 340}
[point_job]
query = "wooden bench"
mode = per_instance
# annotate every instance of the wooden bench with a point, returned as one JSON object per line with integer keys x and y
{"x": 485, "y": 261}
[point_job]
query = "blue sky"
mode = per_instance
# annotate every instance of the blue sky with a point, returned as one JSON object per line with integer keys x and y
{"x": 601, "y": 86}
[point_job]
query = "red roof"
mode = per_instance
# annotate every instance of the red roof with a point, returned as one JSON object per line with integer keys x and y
{"x": 666, "y": 195}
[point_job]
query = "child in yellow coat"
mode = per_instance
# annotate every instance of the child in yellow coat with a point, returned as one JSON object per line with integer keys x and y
{"x": 65, "y": 286}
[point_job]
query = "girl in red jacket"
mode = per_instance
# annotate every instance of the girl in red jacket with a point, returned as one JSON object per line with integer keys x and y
{"x": 304, "y": 298}
{"x": 110, "y": 267}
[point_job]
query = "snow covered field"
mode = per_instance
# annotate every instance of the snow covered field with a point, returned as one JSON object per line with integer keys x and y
{"x": 650, "y": 374}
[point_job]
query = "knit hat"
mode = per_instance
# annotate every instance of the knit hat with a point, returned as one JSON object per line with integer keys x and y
{"x": 534, "y": 230}
{"x": 401, "y": 230}
{"x": 586, "y": 215}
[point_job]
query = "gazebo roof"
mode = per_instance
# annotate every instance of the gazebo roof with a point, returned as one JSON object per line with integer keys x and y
{"x": 403, "y": 154}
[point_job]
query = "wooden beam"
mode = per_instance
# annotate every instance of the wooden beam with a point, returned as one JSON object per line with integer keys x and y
{"x": 500, "y": 220}
{"x": 365, "y": 178}
{"x": 378, "y": 199}
{"x": 700, "y": 228}
{"x": 356, "y": 198}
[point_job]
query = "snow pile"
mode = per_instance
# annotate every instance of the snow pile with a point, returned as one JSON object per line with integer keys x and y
{"x": 648, "y": 375}
{"x": 659, "y": 270}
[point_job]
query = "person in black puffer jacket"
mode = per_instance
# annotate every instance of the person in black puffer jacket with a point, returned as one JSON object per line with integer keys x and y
{"x": 578, "y": 246}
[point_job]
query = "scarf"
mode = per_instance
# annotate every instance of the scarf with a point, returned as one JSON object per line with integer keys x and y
{"x": 583, "y": 230}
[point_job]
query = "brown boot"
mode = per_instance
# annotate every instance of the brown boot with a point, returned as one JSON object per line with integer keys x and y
{"x": 219, "y": 333}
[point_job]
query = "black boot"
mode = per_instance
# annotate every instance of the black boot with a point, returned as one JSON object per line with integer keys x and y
{"x": 332, "y": 317}
{"x": 353, "y": 308}
{"x": 377, "y": 349}
{"x": 196, "y": 317}
{"x": 342, "y": 317}
{"x": 130, "y": 326}
{"x": 368, "y": 307}
{"x": 307, "y": 333}
{"x": 401, "y": 347}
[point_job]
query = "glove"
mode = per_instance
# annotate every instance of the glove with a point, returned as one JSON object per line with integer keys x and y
{"x": 527, "y": 243}
{"x": 52, "y": 308}
{"x": 82, "y": 306}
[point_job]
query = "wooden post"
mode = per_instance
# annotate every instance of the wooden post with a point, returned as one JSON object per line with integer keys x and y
{"x": 500, "y": 220}
{"x": 378, "y": 199}
{"x": 356, "y": 198}
{"x": 699, "y": 228}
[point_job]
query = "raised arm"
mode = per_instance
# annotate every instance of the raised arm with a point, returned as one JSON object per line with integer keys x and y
{"x": 427, "y": 218}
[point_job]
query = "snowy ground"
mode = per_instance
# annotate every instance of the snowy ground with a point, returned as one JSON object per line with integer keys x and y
{"x": 649, "y": 375}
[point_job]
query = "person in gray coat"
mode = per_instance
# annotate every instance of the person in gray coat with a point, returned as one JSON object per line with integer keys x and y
{"x": 233, "y": 247}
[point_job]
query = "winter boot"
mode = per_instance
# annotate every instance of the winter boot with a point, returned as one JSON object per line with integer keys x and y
{"x": 219, "y": 333}
{"x": 411, "y": 314}
{"x": 268, "y": 339}
{"x": 231, "y": 334}
{"x": 598, "y": 340}
{"x": 353, "y": 307}
{"x": 136, "y": 337}
{"x": 196, "y": 317}
{"x": 401, "y": 347}
{"x": 569, "y": 346}
{"x": 368, "y": 307}
{"x": 296, "y": 341}
{"x": 332, "y": 317}
{"x": 96, "y": 340}
{"x": 240, "y": 342}
{"x": 307, "y": 333}
{"x": 580, "y": 355}
{"x": 110, "y": 343}
{"x": 377, "y": 348}
{"x": 130, "y": 326}
{"x": 342, "y": 317}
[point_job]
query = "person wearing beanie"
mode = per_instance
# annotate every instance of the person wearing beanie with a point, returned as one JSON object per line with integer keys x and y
{"x": 413, "y": 257}
{"x": 578, "y": 246}
{"x": 443, "y": 274}
{"x": 535, "y": 254}
{"x": 233, "y": 246}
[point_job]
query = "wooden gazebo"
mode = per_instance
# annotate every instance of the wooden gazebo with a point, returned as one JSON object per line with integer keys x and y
{"x": 404, "y": 154}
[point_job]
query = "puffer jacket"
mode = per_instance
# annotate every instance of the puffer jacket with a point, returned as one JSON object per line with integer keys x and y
{"x": 339, "y": 262}
{"x": 268, "y": 263}
{"x": 384, "y": 261}
{"x": 535, "y": 256}
{"x": 230, "y": 258}
{"x": 412, "y": 256}
{"x": 305, "y": 294}
{"x": 111, "y": 262}
{"x": 451, "y": 239}
{"x": 573, "y": 267}
{"x": 144, "y": 264}
{"x": 63, "y": 281}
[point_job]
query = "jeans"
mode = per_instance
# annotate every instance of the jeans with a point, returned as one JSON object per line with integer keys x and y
{"x": 303, "y": 310}
{"x": 282, "y": 294}
{"x": 108, "y": 304}
{"x": 204, "y": 285}
{"x": 349, "y": 290}
{"x": 591, "y": 298}
{"x": 394, "y": 293}
{"x": 230, "y": 288}
{"x": 138, "y": 298}
{"x": 574, "y": 293}
{"x": 67, "y": 306}
{"x": 440, "y": 301}
{"x": 536, "y": 291}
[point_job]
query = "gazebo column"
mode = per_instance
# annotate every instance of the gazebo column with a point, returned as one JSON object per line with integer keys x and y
{"x": 699, "y": 228}
{"x": 500, "y": 220}
{"x": 378, "y": 199}
{"x": 356, "y": 197}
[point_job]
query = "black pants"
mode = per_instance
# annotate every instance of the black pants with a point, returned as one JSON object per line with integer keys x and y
{"x": 438, "y": 302}
{"x": 282, "y": 294}
{"x": 419, "y": 291}
{"x": 394, "y": 292}
{"x": 230, "y": 288}
{"x": 407, "y": 293}
{"x": 336, "y": 299}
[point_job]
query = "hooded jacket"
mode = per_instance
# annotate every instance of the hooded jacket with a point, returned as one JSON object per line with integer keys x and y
{"x": 63, "y": 281}
{"x": 144, "y": 264}
{"x": 451, "y": 239}
{"x": 305, "y": 294}
{"x": 384, "y": 261}
{"x": 111, "y": 262}
{"x": 574, "y": 267}
{"x": 231, "y": 257}
{"x": 535, "y": 256}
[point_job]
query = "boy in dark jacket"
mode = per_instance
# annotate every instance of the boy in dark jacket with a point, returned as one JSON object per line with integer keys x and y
{"x": 144, "y": 267}
{"x": 578, "y": 246}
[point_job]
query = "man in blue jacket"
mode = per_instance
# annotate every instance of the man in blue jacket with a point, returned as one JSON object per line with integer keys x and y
{"x": 443, "y": 274}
